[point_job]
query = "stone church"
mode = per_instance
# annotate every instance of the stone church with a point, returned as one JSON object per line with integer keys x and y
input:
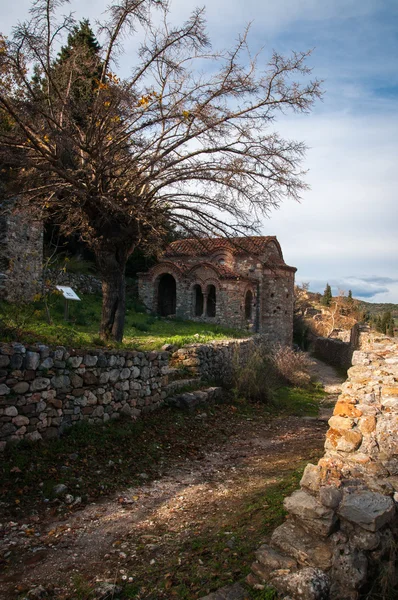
{"x": 240, "y": 282}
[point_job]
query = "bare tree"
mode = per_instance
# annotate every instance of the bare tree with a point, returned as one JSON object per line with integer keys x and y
{"x": 188, "y": 138}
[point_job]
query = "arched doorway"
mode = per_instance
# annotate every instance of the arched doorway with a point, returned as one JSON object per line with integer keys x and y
{"x": 167, "y": 295}
{"x": 211, "y": 301}
{"x": 249, "y": 305}
{"x": 198, "y": 301}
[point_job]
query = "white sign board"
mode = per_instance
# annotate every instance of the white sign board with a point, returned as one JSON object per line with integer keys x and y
{"x": 67, "y": 292}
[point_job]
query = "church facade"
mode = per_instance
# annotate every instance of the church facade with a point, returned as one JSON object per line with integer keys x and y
{"x": 240, "y": 282}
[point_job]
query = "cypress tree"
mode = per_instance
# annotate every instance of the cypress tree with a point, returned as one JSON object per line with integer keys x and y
{"x": 327, "y": 296}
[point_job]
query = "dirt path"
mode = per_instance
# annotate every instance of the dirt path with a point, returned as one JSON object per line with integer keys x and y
{"x": 181, "y": 536}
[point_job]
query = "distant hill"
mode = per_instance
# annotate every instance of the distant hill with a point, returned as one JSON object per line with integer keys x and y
{"x": 378, "y": 308}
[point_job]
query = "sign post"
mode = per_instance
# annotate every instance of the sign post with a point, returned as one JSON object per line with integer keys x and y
{"x": 68, "y": 294}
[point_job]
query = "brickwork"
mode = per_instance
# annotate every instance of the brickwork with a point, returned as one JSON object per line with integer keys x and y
{"x": 242, "y": 283}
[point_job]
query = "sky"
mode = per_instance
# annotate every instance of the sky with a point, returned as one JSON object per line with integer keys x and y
{"x": 344, "y": 230}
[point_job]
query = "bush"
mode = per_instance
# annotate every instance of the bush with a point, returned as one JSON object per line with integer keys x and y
{"x": 255, "y": 378}
{"x": 293, "y": 367}
{"x": 266, "y": 369}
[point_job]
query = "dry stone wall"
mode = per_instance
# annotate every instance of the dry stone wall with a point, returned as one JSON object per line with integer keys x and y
{"x": 215, "y": 361}
{"x": 336, "y": 351}
{"x": 44, "y": 391}
{"x": 341, "y": 529}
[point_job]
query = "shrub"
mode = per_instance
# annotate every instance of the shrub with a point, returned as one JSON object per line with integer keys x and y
{"x": 255, "y": 377}
{"x": 293, "y": 367}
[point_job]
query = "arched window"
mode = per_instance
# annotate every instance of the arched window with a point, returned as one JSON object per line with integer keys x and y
{"x": 198, "y": 300}
{"x": 211, "y": 301}
{"x": 249, "y": 305}
{"x": 167, "y": 295}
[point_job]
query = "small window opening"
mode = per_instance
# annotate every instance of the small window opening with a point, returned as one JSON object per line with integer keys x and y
{"x": 198, "y": 301}
{"x": 211, "y": 301}
{"x": 249, "y": 305}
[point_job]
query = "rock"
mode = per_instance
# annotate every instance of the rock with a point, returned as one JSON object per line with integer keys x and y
{"x": 90, "y": 360}
{"x": 60, "y": 381}
{"x": 74, "y": 361}
{"x": 4, "y": 361}
{"x": 90, "y": 378}
{"x": 306, "y": 584}
{"x": 307, "y": 549}
{"x": 59, "y": 490}
{"x": 34, "y": 436}
{"x": 32, "y": 360}
{"x": 10, "y": 411}
{"x": 312, "y": 513}
{"x": 272, "y": 559}
{"x": 7, "y": 429}
{"x": 68, "y": 499}
{"x": 20, "y": 421}
{"x": 106, "y": 591}
{"x": 311, "y": 477}
{"x": 330, "y": 496}
{"x": 37, "y": 593}
{"x": 229, "y": 592}
{"x": 4, "y": 389}
{"x": 39, "y": 384}
{"x": 369, "y": 510}
{"x": 125, "y": 373}
{"x": 341, "y": 423}
{"x": 46, "y": 364}
{"x": 348, "y": 573}
{"x": 21, "y": 387}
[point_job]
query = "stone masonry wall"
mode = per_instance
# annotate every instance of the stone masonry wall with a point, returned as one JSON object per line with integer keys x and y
{"x": 21, "y": 256}
{"x": 335, "y": 351}
{"x": 341, "y": 530}
{"x": 44, "y": 391}
{"x": 215, "y": 361}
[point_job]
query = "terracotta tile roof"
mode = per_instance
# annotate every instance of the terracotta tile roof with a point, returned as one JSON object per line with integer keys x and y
{"x": 203, "y": 247}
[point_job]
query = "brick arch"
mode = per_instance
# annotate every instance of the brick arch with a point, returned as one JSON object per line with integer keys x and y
{"x": 192, "y": 273}
{"x": 163, "y": 268}
{"x": 275, "y": 244}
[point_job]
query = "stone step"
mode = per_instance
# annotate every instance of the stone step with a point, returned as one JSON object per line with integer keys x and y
{"x": 175, "y": 386}
{"x": 189, "y": 400}
{"x": 175, "y": 373}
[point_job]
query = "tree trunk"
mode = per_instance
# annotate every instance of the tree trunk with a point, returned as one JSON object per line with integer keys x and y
{"x": 112, "y": 265}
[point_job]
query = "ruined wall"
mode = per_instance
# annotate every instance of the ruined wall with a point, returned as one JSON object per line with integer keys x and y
{"x": 21, "y": 256}
{"x": 276, "y": 306}
{"x": 80, "y": 282}
{"x": 335, "y": 351}
{"x": 342, "y": 526}
{"x": 215, "y": 361}
{"x": 43, "y": 391}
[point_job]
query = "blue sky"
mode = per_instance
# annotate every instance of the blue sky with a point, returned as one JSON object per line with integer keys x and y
{"x": 344, "y": 231}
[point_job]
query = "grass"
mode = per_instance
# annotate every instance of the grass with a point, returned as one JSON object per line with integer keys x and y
{"x": 142, "y": 331}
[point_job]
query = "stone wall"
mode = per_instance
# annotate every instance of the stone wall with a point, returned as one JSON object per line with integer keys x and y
{"x": 335, "y": 351}
{"x": 342, "y": 526}
{"x": 215, "y": 361}
{"x": 44, "y": 391}
{"x": 80, "y": 282}
{"x": 21, "y": 256}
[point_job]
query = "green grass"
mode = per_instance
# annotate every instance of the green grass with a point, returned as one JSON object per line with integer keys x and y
{"x": 142, "y": 331}
{"x": 299, "y": 402}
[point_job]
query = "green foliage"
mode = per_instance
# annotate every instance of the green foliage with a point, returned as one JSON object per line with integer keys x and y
{"x": 327, "y": 296}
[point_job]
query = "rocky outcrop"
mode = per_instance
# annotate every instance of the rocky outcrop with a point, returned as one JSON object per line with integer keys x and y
{"x": 342, "y": 523}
